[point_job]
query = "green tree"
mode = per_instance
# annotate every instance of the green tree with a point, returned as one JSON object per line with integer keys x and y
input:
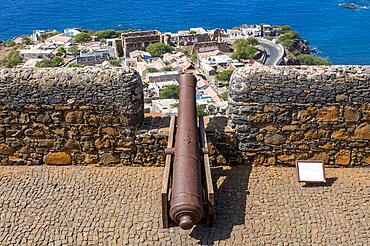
{"x": 53, "y": 62}
{"x": 192, "y": 32}
{"x": 170, "y": 91}
{"x": 224, "y": 75}
{"x": 167, "y": 69}
{"x": 245, "y": 49}
{"x": 61, "y": 51}
{"x": 12, "y": 60}
{"x": 201, "y": 111}
{"x": 115, "y": 63}
{"x": 158, "y": 49}
{"x": 244, "y": 52}
{"x": 306, "y": 59}
{"x": 82, "y": 37}
{"x": 106, "y": 34}
{"x": 244, "y": 42}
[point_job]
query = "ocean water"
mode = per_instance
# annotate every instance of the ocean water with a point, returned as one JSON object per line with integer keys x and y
{"x": 341, "y": 35}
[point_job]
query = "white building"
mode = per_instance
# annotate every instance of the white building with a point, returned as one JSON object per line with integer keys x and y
{"x": 235, "y": 34}
{"x": 163, "y": 76}
{"x": 35, "y": 53}
{"x": 38, "y": 34}
{"x": 71, "y": 32}
{"x": 251, "y": 30}
{"x": 165, "y": 106}
{"x": 221, "y": 60}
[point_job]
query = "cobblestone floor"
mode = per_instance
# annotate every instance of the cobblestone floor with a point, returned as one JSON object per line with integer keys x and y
{"x": 121, "y": 206}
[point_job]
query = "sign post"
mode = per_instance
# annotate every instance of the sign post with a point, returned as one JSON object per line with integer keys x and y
{"x": 311, "y": 171}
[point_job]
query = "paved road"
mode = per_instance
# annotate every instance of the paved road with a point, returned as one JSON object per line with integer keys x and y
{"x": 121, "y": 206}
{"x": 274, "y": 52}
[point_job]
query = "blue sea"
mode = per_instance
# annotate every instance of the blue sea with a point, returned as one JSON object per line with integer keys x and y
{"x": 339, "y": 34}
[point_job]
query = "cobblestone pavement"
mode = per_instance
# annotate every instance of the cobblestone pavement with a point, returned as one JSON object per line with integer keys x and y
{"x": 121, "y": 206}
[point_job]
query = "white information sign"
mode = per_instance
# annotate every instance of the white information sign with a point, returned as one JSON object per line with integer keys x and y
{"x": 310, "y": 171}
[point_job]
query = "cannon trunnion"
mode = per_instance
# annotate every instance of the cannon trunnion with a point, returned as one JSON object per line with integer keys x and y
{"x": 187, "y": 190}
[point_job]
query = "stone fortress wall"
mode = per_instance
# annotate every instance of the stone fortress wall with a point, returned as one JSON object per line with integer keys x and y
{"x": 281, "y": 114}
{"x": 68, "y": 115}
{"x": 63, "y": 116}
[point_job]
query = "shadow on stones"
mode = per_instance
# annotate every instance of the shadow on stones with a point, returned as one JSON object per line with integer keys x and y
{"x": 231, "y": 191}
{"x": 329, "y": 182}
{"x": 223, "y": 144}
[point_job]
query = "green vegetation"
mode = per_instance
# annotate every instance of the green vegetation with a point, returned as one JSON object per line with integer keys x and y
{"x": 296, "y": 49}
{"x": 284, "y": 29}
{"x": 53, "y": 62}
{"x": 74, "y": 50}
{"x": 306, "y": 59}
{"x": 61, "y": 51}
{"x": 249, "y": 41}
{"x": 287, "y": 39}
{"x": 201, "y": 111}
{"x": 48, "y": 35}
{"x": 90, "y": 32}
{"x": 194, "y": 58}
{"x": 152, "y": 70}
{"x": 224, "y": 75}
{"x": 9, "y": 43}
{"x": 77, "y": 65}
{"x": 26, "y": 40}
{"x": 245, "y": 49}
{"x": 158, "y": 49}
{"x": 167, "y": 69}
{"x": 192, "y": 32}
{"x": 82, "y": 37}
{"x": 186, "y": 51}
{"x": 225, "y": 95}
{"x": 170, "y": 91}
{"x": 115, "y": 63}
{"x": 107, "y": 34}
{"x": 12, "y": 60}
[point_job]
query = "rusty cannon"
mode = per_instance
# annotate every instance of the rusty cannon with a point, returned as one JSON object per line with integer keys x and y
{"x": 187, "y": 190}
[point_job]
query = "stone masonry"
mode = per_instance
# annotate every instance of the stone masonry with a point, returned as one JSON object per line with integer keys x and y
{"x": 276, "y": 115}
{"x": 65, "y": 116}
{"x": 281, "y": 114}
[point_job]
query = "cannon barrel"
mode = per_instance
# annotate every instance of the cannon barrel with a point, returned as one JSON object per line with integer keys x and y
{"x": 186, "y": 203}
